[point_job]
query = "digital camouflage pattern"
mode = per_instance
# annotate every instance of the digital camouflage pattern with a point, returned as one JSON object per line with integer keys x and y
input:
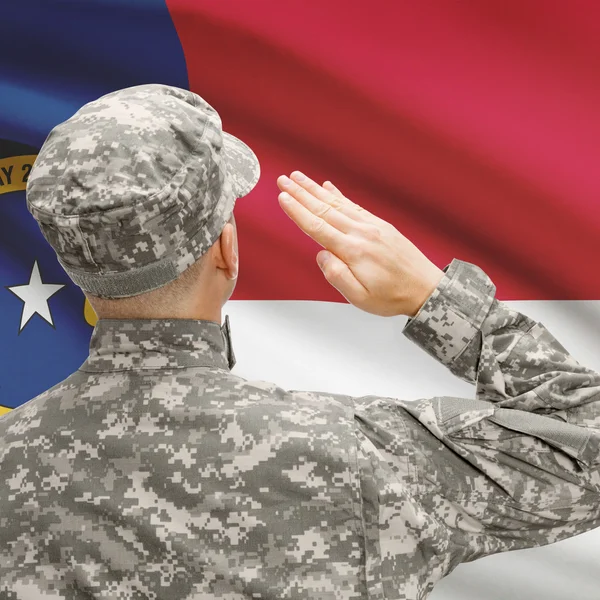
{"x": 154, "y": 472}
{"x": 136, "y": 186}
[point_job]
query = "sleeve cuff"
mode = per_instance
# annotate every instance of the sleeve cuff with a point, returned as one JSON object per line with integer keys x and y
{"x": 454, "y": 312}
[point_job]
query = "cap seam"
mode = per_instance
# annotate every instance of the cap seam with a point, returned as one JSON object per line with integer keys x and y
{"x": 85, "y": 245}
{"x": 256, "y": 177}
{"x": 109, "y": 211}
{"x": 77, "y": 271}
{"x": 169, "y": 257}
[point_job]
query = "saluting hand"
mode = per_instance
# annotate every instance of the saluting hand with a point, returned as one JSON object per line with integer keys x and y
{"x": 366, "y": 259}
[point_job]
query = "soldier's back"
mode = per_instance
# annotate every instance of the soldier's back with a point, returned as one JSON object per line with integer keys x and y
{"x": 160, "y": 474}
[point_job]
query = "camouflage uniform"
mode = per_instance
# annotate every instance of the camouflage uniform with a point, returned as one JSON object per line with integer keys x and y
{"x": 154, "y": 472}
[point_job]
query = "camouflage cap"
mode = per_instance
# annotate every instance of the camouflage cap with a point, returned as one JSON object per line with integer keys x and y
{"x": 136, "y": 186}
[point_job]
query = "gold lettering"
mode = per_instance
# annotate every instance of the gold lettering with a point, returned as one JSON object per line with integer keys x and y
{"x": 14, "y": 172}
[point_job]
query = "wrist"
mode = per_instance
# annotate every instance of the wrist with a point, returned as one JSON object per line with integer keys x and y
{"x": 425, "y": 289}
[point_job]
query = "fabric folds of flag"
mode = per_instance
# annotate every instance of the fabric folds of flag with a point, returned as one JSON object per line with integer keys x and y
{"x": 474, "y": 130}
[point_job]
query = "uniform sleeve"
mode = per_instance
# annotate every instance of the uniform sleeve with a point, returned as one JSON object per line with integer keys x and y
{"x": 518, "y": 465}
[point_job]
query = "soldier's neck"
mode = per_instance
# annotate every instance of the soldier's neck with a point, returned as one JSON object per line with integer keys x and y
{"x": 198, "y": 314}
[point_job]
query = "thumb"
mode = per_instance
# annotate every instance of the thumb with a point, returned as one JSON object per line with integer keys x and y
{"x": 339, "y": 275}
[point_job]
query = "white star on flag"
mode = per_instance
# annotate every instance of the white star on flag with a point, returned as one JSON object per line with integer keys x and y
{"x": 35, "y": 296}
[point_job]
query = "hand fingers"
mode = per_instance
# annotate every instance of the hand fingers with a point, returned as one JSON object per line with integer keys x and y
{"x": 363, "y": 213}
{"x": 314, "y": 226}
{"x": 331, "y": 188}
{"x": 338, "y": 201}
{"x": 326, "y": 210}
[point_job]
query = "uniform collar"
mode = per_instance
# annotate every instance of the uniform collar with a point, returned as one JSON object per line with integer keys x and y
{"x": 131, "y": 344}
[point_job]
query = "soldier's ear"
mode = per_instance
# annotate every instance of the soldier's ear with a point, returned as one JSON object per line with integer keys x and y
{"x": 226, "y": 257}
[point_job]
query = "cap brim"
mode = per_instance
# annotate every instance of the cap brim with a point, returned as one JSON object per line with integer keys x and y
{"x": 242, "y": 164}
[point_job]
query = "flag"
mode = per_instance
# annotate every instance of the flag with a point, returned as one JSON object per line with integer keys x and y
{"x": 473, "y": 129}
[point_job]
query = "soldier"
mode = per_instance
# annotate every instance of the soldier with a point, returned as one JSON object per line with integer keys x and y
{"x": 154, "y": 472}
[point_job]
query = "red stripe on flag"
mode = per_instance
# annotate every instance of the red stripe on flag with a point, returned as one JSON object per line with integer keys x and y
{"x": 474, "y": 130}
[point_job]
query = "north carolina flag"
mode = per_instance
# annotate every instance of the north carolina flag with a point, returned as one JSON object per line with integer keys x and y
{"x": 474, "y": 128}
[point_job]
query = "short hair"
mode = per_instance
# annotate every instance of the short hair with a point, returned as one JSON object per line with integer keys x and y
{"x": 161, "y": 300}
